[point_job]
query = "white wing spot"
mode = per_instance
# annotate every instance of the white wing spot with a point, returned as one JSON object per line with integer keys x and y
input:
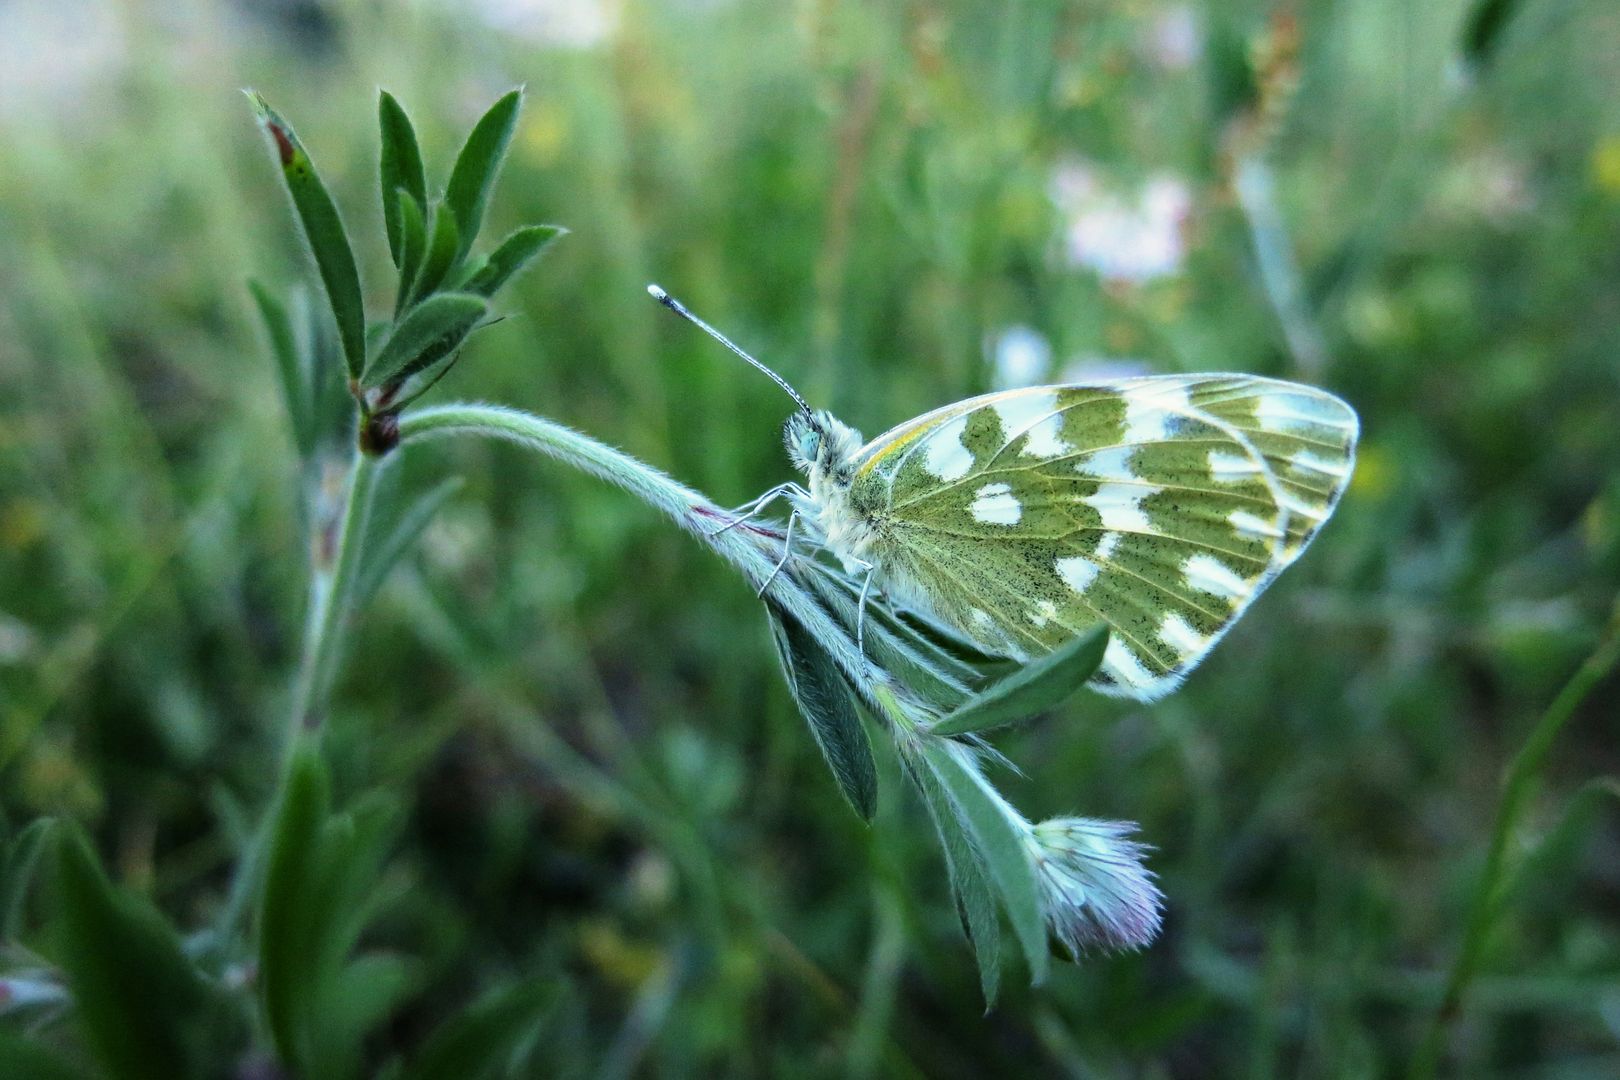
{"x": 1179, "y": 634}
{"x": 1046, "y": 439}
{"x": 945, "y": 456}
{"x": 1146, "y": 414}
{"x": 1254, "y": 527}
{"x": 995, "y": 504}
{"x": 1106, "y": 546}
{"x": 1077, "y": 572}
{"x": 1044, "y": 612}
{"x": 1107, "y": 464}
{"x": 1278, "y": 413}
{"x": 1208, "y": 574}
{"x": 1121, "y": 506}
{"x": 1227, "y": 466}
{"x": 1316, "y": 463}
{"x": 1034, "y": 415}
{"x": 1120, "y": 662}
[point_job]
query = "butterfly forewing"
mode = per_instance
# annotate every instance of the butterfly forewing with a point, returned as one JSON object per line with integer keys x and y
{"x": 1161, "y": 506}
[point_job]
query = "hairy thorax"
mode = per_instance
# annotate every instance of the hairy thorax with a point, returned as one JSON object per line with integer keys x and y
{"x": 848, "y": 532}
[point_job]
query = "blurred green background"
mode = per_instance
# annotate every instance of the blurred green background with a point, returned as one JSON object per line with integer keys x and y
{"x": 897, "y": 205}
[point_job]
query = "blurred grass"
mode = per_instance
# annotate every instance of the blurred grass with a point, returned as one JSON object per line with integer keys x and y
{"x": 607, "y": 777}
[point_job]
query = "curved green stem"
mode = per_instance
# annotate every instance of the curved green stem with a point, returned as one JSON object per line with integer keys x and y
{"x": 1518, "y": 786}
{"x": 753, "y": 548}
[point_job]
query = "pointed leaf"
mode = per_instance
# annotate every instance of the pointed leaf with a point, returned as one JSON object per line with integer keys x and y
{"x": 482, "y": 1040}
{"x": 136, "y": 996}
{"x": 413, "y": 243}
{"x": 17, "y": 866}
{"x": 399, "y": 168}
{"x": 473, "y": 176}
{"x": 381, "y": 557}
{"x": 828, "y": 705}
{"x": 513, "y": 254}
{"x": 295, "y": 391}
{"x": 974, "y": 901}
{"x": 987, "y": 820}
{"x": 430, "y": 331}
{"x": 287, "y": 917}
{"x": 441, "y": 253}
{"x": 1030, "y": 689}
{"x": 323, "y": 228}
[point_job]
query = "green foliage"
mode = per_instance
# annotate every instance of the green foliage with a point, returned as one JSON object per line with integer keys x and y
{"x": 1033, "y": 688}
{"x": 399, "y": 172}
{"x": 828, "y": 706}
{"x": 320, "y": 1000}
{"x": 1000, "y": 848}
{"x": 323, "y": 229}
{"x": 426, "y": 336}
{"x": 484, "y": 1039}
{"x": 478, "y": 164}
{"x": 143, "y": 1008}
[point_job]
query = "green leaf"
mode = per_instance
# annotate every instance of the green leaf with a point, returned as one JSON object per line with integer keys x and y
{"x": 998, "y": 841}
{"x": 482, "y": 1041}
{"x": 513, "y": 254}
{"x": 828, "y": 705}
{"x": 318, "y": 887}
{"x": 18, "y": 862}
{"x": 287, "y": 917}
{"x": 137, "y": 998}
{"x": 379, "y": 558}
{"x": 432, "y": 330}
{"x": 399, "y": 168}
{"x": 413, "y": 233}
{"x": 1031, "y": 688}
{"x": 974, "y": 901}
{"x": 24, "y": 1057}
{"x": 440, "y": 256}
{"x": 295, "y": 388}
{"x": 323, "y": 228}
{"x": 476, "y": 166}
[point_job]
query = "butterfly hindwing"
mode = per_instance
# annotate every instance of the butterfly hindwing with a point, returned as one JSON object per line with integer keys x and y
{"x": 1161, "y": 506}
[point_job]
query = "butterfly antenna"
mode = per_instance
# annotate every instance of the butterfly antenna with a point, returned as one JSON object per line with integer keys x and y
{"x": 681, "y": 309}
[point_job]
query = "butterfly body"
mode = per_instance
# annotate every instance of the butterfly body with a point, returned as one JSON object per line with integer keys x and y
{"x": 1161, "y": 506}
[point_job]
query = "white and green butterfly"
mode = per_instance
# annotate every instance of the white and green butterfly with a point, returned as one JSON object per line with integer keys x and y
{"x": 1161, "y": 506}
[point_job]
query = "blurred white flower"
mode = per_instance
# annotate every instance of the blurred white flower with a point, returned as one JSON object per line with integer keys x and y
{"x": 1019, "y": 356}
{"x": 1097, "y": 892}
{"x": 570, "y": 24}
{"x": 1123, "y": 238}
{"x": 1090, "y": 370}
{"x": 1175, "y": 39}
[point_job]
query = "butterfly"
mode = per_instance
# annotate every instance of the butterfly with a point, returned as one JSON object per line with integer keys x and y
{"x": 1161, "y": 506}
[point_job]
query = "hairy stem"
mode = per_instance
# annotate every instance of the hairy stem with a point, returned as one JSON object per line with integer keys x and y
{"x": 331, "y": 588}
{"x": 751, "y": 547}
{"x": 1518, "y": 785}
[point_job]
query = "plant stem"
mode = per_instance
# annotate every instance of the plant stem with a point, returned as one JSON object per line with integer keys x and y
{"x": 1518, "y": 785}
{"x": 332, "y": 574}
{"x": 753, "y": 548}
{"x": 331, "y": 587}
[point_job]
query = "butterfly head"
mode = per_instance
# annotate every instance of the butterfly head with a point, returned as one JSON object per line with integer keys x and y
{"x": 818, "y": 442}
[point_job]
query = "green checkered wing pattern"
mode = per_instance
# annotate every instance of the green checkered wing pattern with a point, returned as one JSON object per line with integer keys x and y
{"x": 1161, "y": 506}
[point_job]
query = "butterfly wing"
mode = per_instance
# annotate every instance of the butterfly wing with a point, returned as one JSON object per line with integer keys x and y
{"x": 1161, "y": 506}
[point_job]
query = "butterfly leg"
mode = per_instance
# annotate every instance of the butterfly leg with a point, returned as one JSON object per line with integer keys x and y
{"x": 755, "y": 506}
{"x": 860, "y": 611}
{"x": 787, "y": 553}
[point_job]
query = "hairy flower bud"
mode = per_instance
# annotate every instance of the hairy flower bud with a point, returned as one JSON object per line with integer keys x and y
{"x": 1097, "y": 892}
